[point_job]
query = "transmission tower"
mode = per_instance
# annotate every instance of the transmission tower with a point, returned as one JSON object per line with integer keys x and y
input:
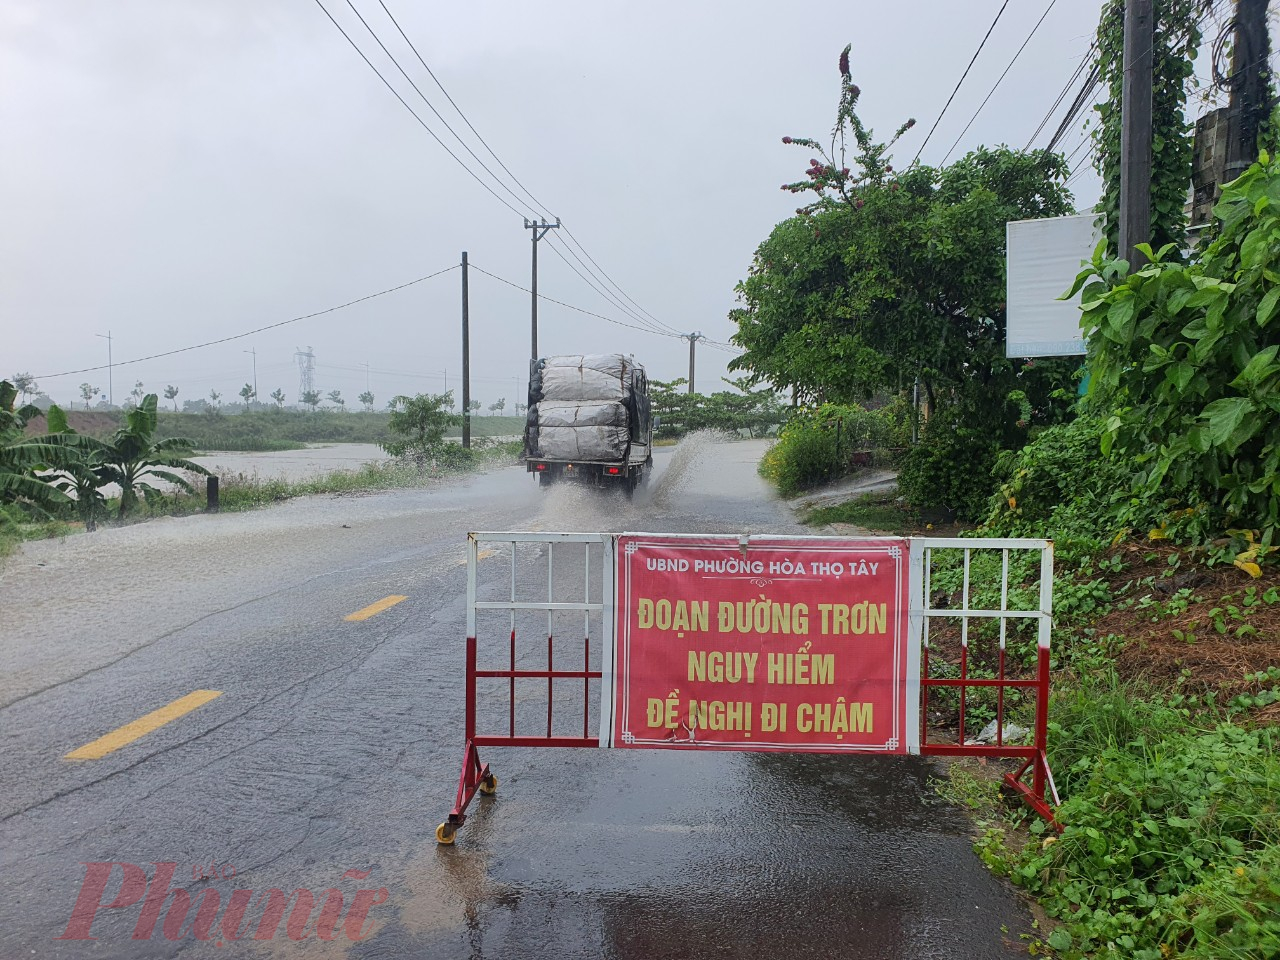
{"x": 306, "y": 371}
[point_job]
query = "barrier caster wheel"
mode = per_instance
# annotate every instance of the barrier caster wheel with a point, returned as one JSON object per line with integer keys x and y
{"x": 489, "y": 785}
{"x": 445, "y": 834}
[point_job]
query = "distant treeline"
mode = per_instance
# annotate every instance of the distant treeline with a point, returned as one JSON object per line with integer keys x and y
{"x": 261, "y": 430}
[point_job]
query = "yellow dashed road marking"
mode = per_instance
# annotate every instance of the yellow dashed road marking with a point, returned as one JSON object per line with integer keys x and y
{"x": 375, "y": 608}
{"x": 130, "y": 732}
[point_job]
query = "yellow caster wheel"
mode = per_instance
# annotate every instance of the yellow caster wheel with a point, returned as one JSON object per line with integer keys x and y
{"x": 445, "y": 834}
{"x": 489, "y": 785}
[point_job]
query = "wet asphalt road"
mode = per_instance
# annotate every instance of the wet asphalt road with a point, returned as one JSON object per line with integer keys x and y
{"x": 335, "y": 746}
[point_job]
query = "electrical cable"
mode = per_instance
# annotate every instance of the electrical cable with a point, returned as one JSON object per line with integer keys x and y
{"x": 999, "y": 80}
{"x": 430, "y": 105}
{"x": 542, "y": 208}
{"x": 570, "y": 306}
{"x": 536, "y": 202}
{"x": 1085, "y": 61}
{"x": 604, "y": 293}
{"x": 1090, "y": 84}
{"x": 475, "y": 176}
{"x": 958, "y": 84}
{"x": 249, "y": 333}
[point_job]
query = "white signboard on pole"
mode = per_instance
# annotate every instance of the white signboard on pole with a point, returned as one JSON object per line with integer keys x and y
{"x": 1043, "y": 258}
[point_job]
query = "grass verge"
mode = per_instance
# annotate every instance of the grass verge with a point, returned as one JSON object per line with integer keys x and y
{"x": 239, "y": 492}
{"x": 877, "y": 512}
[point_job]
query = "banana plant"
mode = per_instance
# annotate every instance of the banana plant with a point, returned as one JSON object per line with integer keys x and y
{"x": 81, "y": 471}
{"x": 22, "y": 456}
{"x": 132, "y": 456}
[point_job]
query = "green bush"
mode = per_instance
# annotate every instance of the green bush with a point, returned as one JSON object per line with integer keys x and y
{"x": 817, "y": 446}
{"x": 1185, "y": 363}
{"x": 950, "y": 469}
{"x": 1169, "y": 842}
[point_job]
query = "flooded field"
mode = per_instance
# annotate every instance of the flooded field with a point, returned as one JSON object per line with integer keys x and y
{"x": 294, "y": 464}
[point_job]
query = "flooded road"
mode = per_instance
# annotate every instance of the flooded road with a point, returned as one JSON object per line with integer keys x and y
{"x": 332, "y": 748}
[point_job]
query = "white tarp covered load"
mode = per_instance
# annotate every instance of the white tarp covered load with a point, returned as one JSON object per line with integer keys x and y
{"x": 1043, "y": 259}
{"x": 590, "y": 377}
{"x": 581, "y": 407}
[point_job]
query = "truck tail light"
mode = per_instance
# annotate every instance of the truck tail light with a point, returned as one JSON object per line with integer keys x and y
{"x": 540, "y": 466}
{"x": 613, "y": 470}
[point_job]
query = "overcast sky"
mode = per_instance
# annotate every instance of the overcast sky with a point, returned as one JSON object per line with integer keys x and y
{"x": 178, "y": 171}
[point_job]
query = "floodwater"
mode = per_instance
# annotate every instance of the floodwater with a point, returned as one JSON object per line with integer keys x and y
{"x": 334, "y": 745}
{"x": 317, "y": 459}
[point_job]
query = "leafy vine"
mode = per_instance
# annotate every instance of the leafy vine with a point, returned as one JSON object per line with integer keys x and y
{"x": 1177, "y": 39}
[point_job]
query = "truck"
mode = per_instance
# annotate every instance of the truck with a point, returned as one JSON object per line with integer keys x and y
{"x": 589, "y": 421}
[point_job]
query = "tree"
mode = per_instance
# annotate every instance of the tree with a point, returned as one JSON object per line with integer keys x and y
{"x": 311, "y": 398}
{"x": 681, "y": 412}
{"x": 171, "y": 393}
{"x": 214, "y": 397}
{"x": 133, "y": 455}
{"x": 278, "y": 397}
{"x": 367, "y": 399}
{"x": 419, "y": 423}
{"x": 498, "y": 407}
{"x": 887, "y": 276}
{"x": 335, "y": 397}
{"x": 472, "y": 407}
{"x": 25, "y": 384}
{"x": 521, "y": 408}
{"x": 247, "y": 394}
{"x": 88, "y": 392}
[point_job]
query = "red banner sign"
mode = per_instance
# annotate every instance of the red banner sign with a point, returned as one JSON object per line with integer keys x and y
{"x": 773, "y": 644}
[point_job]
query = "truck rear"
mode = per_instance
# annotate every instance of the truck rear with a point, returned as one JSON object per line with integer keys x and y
{"x": 589, "y": 420}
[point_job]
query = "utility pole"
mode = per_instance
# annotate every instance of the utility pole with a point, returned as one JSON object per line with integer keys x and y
{"x": 539, "y": 229}
{"x": 254, "y": 351}
{"x": 693, "y": 338}
{"x": 1248, "y": 107}
{"x": 1135, "y": 129}
{"x": 466, "y": 357}
{"x": 111, "y": 390}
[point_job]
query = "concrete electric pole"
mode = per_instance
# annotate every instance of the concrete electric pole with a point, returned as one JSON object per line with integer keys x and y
{"x": 539, "y": 229}
{"x": 1248, "y": 84}
{"x": 1135, "y": 130}
{"x": 254, "y": 352}
{"x": 111, "y": 390}
{"x": 466, "y": 358}
{"x": 693, "y": 338}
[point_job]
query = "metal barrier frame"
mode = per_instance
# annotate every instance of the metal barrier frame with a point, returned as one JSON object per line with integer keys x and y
{"x": 476, "y": 776}
{"x": 1034, "y": 755}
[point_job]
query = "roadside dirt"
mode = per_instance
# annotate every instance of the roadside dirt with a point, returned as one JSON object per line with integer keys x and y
{"x": 1211, "y": 626}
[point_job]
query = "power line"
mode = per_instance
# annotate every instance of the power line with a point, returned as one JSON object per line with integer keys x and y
{"x": 249, "y": 333}
{"x": 475, "y": 176}
{"x": 599, "y": 271}
{"x": 1085, "y": 61}
{"x": 961, "y": 80}
{"x": 1085, "y": 165}
{"x": 1000, "y": 79}
{"x": 1090, "y": 84}
{"x": 423, "y": 96}
{"x": 570, "y": 306}
{"x": 604, "y": 293}
{"x": 537, "y": 203}
{"x": 615, "y": 285}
